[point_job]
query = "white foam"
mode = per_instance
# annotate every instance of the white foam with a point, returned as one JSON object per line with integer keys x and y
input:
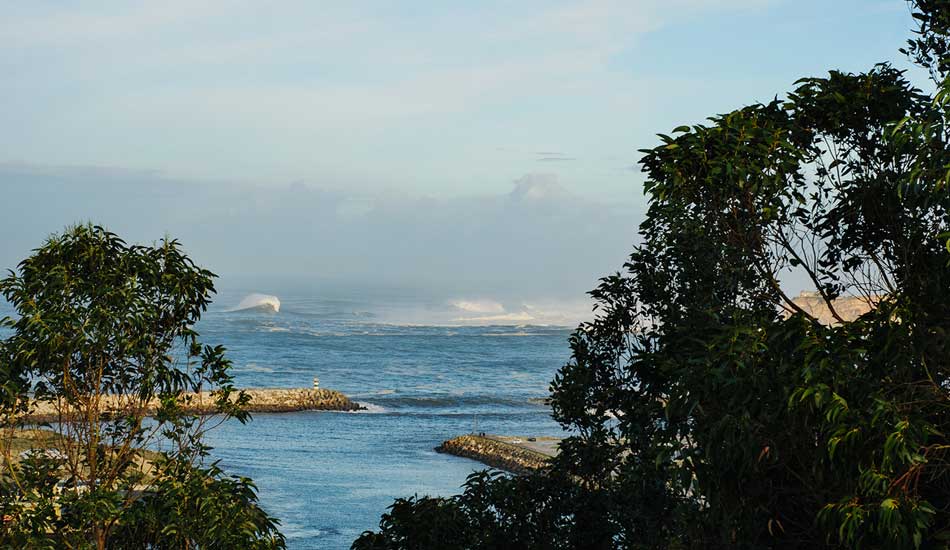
{"x": 478, "y": 306}
{"x": 369, "y": 408}
{"x": 481, "y": 311}
{"x": 504, "y": 319}
{"x": 252, "y": 367}
{"x": 263, "y": 301}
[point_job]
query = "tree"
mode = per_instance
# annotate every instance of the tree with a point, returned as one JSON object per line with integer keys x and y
{"x": 492, "y": 512}
{"x": 104, "y": 332}
{"x": 707, "y": 407}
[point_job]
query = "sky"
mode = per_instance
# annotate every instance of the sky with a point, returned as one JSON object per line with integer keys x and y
{"x": 489, "y": 146}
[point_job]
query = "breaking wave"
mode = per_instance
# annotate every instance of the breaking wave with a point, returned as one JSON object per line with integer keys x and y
{"x": 478, "y": 306}
{"x": 260, "y": 302}
{"x": 369, "y": 408}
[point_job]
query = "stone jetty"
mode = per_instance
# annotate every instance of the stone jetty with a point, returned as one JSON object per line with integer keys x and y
{"x": 300, "y": 399}
{"x": 262, "y": 400}
{"x": 512, "y": 454}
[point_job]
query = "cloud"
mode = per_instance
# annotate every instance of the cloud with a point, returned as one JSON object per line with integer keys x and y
{"x": 551, "y": 156}
{"x": 166, "y": 84}
{"x": 535, "y": 187}
{"x": 13, "y": 169}
{"x": 535, "y": 242}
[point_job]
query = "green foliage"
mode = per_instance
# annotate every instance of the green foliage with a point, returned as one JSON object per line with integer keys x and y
{"x": 104, "y": 331}
{"x": 198, "y": 507}
{"x": 491, "y": 513}
{"x": 707, "y": 407}
{"x": 931, "y": 47}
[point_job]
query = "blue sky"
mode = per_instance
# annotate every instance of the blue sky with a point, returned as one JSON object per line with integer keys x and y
{"x": 478, "y": 152}
{"x": 426, "y": 98}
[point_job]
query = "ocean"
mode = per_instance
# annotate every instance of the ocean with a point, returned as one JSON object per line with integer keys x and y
{"x": 425, "y": 370}
{"x": 329, "y": 476}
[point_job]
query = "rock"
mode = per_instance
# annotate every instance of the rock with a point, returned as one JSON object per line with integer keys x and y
{"x": 262, "y": 400}
{"x": 848, "y": 307}
{"x": 495, "y": 453}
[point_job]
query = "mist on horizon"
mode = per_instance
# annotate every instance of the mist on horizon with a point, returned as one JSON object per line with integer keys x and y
{"x": 526, "y": 256}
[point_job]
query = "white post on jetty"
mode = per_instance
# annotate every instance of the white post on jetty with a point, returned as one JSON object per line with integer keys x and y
{"x": 316, "y": 383}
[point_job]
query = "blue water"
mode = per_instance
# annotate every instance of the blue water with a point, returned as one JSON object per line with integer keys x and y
{"x": 329, "y": 476}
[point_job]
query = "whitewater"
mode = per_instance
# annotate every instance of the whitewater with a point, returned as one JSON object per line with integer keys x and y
{"x": 425, "y": 372}
{"x": 257, "y": 301}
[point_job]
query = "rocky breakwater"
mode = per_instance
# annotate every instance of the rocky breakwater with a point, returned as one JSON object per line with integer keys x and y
{"x": 504, "y": 453}
{"x": 262, "y": 400}
{"x": 300, "y": 399}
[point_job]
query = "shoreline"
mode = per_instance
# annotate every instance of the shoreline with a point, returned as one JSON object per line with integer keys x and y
{"x": 265, "y": 400}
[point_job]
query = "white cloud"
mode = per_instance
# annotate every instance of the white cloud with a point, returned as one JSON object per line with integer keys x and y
{"x": 352, "y": 94}
{"x": 533, "y": 187}
{"x": 478, "y": 253}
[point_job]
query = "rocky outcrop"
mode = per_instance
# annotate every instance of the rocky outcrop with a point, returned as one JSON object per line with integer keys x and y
{"x": 300, "y": 399}
{"x": 495, "y": 453}
{"x": 262, "y": 400}
{"x": 848, "y": 308}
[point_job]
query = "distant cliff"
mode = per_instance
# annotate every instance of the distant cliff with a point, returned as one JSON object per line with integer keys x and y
{"x": 848, "y": 308}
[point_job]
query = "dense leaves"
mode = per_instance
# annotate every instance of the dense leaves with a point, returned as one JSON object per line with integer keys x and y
{"x": 200, "y": 508}
{"x": 103, "y": 333}
{"x": 492, "y": 512}
{"x": 707, "y": 407}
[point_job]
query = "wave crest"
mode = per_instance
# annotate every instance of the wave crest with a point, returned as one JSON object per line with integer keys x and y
{"x": 264, "y": 302}
{"x": 478, "y": 306}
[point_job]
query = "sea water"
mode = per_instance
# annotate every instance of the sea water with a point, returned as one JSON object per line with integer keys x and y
{"x": 328, "y": 476}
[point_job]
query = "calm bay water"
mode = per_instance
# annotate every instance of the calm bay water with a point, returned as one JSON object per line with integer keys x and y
{"x": 329, "y": 476}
